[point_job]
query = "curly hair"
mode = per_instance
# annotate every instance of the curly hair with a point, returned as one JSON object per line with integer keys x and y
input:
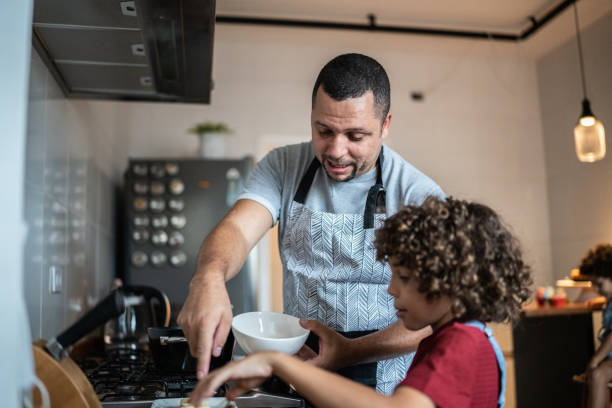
{"x": 597, "y": 262}
{"x": 461, "y": 250}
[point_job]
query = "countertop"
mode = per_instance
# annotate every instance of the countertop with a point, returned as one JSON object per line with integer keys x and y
{"x": 535, "y": 310}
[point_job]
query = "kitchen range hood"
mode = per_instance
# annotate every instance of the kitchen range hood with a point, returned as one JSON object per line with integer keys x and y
{"x": 146, "y": 50}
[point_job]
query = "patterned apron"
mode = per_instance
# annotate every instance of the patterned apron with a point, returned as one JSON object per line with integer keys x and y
{"x": 331, "y": 273}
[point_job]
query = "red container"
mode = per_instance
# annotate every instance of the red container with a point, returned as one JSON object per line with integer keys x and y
{"x": 558, "y": 301}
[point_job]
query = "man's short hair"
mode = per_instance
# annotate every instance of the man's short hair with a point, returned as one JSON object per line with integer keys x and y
{"x": 351, "y": 76}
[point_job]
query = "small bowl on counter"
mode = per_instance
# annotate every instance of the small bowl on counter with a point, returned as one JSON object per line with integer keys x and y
{"x": 577, "y": 291}
{"x": 268, "y": 331}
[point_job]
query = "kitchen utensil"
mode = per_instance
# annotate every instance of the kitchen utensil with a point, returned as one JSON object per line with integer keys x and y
{"x": 259, "y": 331}
{"x": 111, "y": 306}
{"x": 170, "y": 350}
{"x": 145, "y": 307}
{"x": 67, "y": 385}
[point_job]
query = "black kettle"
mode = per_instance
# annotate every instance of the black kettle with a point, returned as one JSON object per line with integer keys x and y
{"x": 145, "y": 307}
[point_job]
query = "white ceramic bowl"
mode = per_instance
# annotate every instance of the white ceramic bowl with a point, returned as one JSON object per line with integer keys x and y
{"x": 260, "y": 331}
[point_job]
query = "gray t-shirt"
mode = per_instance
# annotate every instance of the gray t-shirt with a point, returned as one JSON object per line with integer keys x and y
{"x": 275, "y": 180}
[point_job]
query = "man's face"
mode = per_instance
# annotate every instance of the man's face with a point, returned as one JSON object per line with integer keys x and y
{"x": 347, "y": 135}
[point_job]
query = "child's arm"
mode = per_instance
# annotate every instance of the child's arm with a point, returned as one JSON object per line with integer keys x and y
{"x": 601, "y": 354}
{"x": 322, "y": 388}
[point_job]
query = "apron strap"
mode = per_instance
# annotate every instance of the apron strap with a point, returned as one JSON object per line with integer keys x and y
{"x": 300, "y": 195}
{"x": 376, "y": 202}
{"x": 501, "y": 363}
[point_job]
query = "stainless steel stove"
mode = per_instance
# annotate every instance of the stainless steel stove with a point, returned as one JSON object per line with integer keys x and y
{"x": 128, "y": 378}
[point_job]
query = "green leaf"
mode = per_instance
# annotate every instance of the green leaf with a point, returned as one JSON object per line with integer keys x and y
{"x": 210, "y": 127}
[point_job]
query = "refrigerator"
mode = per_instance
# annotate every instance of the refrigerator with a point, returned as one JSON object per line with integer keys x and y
{"x": 170, "y": 206}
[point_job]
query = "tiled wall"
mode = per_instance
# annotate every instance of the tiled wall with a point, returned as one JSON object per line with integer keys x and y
{"x": 580, "y": 193}
{"x": 69, "y": 205}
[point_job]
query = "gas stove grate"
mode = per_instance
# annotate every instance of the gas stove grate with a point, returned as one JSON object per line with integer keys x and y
{"x": 130, "y": 375}
{"x": 128, "y": 378}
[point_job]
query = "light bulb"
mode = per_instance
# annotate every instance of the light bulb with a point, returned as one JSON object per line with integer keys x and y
{"x": 587, "y": 121}
{"x": 590, "y": 140}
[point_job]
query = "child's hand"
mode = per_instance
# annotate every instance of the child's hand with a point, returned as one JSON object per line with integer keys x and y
{"x": 248, "y": 372}
{"x": 334, "y": 348}
{"x": 594, "y": 362}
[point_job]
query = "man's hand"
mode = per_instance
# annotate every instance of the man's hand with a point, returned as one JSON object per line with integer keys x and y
{"x": 248, "y": 373}
{"x": 334, "y": 348}
{"x": 206, "y": 318}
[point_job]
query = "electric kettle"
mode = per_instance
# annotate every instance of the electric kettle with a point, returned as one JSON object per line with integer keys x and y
{"x": 145, "y": 307}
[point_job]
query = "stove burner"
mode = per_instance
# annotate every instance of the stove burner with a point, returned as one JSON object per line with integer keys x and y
{"x": 128, "y": 378}
{"x": 130, "y": 375}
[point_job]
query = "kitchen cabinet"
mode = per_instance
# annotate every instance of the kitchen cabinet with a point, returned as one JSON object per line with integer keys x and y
{"x": 550, "y": 345}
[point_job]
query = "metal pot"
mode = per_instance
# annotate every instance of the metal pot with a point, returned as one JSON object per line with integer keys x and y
{"x": 171, "y": 352}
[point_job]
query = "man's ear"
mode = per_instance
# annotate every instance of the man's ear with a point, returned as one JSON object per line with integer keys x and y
{"x": 385, "y": 126}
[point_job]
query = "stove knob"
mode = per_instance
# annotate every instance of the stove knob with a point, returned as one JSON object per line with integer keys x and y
{"x": 176, "y": 204}
{"x": 140, "y": 204}
{"x": 157, "y": 204}
{"x": 140, "y": 187}
{"x": 140, "y": 169}
{"x": 139, "y": 259}
{"x": 158, "y": 188}
{"x": 178, "y": 258}
{"x": 141, "y": 221}
{"x": 157, "y": 170}
{"x": 159, "y": 221}
{"x": 176, "y": 186}
{"x": 178, "y": 221}
{"x": 176, "y": 239}
{"x": 158, "y": 258}
{"x": 159, "y": 238}
{"x": 140, "y": 236}
{"x": 172, "y": 169}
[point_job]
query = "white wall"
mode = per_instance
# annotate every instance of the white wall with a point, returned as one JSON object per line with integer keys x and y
{"x": 478, "y": 132}
{"x": 580, "y": 193}
{"x": 17, "y": 371}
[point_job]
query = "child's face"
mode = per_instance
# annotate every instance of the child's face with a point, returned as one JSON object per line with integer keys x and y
{"x": 603, "y": 286}
{"x": 412, "y": 306}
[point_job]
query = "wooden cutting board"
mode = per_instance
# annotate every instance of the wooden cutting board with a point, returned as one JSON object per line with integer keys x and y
{"x": 67, "y": 385}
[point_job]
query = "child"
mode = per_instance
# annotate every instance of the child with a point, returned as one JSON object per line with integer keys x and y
{"x": 597, "y": 264}
{"x": 454, "y": 266}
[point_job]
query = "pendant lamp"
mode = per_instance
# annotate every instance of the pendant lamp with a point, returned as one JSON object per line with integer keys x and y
{"x": 589, "y": 134}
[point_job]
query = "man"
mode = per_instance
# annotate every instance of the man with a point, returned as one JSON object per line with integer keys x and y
{"x": 328, "y": 197}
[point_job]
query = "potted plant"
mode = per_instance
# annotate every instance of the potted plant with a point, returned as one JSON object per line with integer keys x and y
{"x": 212, "y": 138}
